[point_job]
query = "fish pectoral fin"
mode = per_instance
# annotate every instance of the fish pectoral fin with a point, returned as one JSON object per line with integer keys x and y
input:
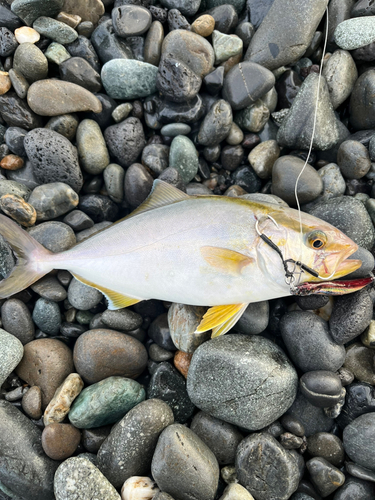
{"x": 220, "y": 319}
{"x": 115, "y": 300}
{"x": 228, "y": 261}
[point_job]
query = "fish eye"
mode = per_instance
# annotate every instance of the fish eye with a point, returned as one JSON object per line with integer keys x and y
{"x": 316, "y": 239}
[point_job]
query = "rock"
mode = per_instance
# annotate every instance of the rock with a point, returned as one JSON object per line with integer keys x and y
{"x": 47, "y": 316}
{"x": 355, "y": 33}
{"x": 125, "y": 141}
{"x": 92, "y": 439}
{"x": 56, "y": 53}
{"x": 105, "y": 402}
{"x": 176, "y": 81}
{"x": 8, "y": 42}
{"x": 131, "y": 20}
{"x": 235, "y": 491}
{"x": 173, "y": 471}
{"x": 216, "y": 124}
{"x": 254, "y": 117}
{"x": 52, "y": 200}
{"x": 353, "y": 159}
{"x": 255, "y": 319}
{"x": 333, "y": 181}
{"x": 311, "y": 417}
{"x": 361, "y": 106}
{"x": 79, "y": 478}
{"x": 158, "y": 354}
{"x": 62, "y": 400}
{"x": 191, "y": 49}
{"x": 137, "y": 185}
{"x": 108, "y": 45}
{"x": 114, "y": 176}
{"x": 203, "y": 25}
{"x": 79, "y": 71}
{"x": 46, "y": 363}
{"x": 325, "y": 477}
{"x": 99, "y": 207}
{"x": 55, "y": 30}
{"x": 88, "y": 10}
{"x": 225, "y": 16}
{"x": 32, "y": 403}
{"x": 16, "y": 113}
{"x": 99, "y": 354}
{"x": 225, "y": 46}
{"x": 327, "y": 446}
{"x": 128, "y": 78}
{"x": 56, "y": 97}
{"x": 138, "y": 486}
{"x": 60, "y": 441}
{"x": 153, "y": 43}
{"x": 78, "y": 220}
{"x": 183, "y": 320}
{"x": 349, "y": 215}
{"x": 184, "y": 112}
{"x": 359, "y": 360}
{"x": 169, "y": 386}
{"x": 358, "y": 440}
{"x": 265, "y": 468}
{"x": 250, "y": 359}
{"x": 25, "y": 468}
{"x": 321, "y": 388}
{"x": 55, "y": 236}
{"x": 263, "y": 157}
{"x": 11, "y": 354}
{"x": 65, "y": 125}
{"x": 29, "y": 10}
{"x": 26, "y": 34}
{"x": 183, "y": 156}
{"x": 296, "y": 128}
{"x": 83, "y": 297}
{"x": 92, "y": 150}
{"x": 341, "y": 74}
{"x": 130, "y": 446}
{"x": 285, "y": 172}
{"x": 173, "y": 130}
{"x": 355, "y": 489}
{"x": 360, "y": 472}
{"x": 186, "y": 7}
{"x": 16, "y": 319}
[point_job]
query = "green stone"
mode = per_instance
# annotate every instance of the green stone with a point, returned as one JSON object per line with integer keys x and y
{"x": 129, "y": 79}
{"x": 105, "y": 402}
{"x": 57, "y": 53}
{"x": 254, "y": 117}
{"x": 210, "y": 4}
{"x": 184, "y": 158}
{"x": 225, "y": 46}
{"x": 29, "y": 10}
{"x": 55, "y": 30}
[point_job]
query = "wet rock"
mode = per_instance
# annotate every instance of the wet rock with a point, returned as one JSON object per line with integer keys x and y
{"x": 99, "y": 207}
{"x": 359, "y": 360}
{"x": 355, "y": 489}
{"x": 361, "y": 106}
{"x": 79, "y": 71}
{"x": 60, "y": 441}
{"x": 52, "y": 200}
{"x": 327, "y": 446}
{"x": 137, "y": 185}
{"x": 225, "y": 16}
{"x": 325, "y": 477}
{"x": 125, "y": 141}
{"x": 129, "y": 79}
{"x": 255, "y": 319}
{"x": 321, "y": 388}
{"x": 109, "y": 46}
{"x": 16, "y": 319}
{"x": 254, "y": 117}
{"x": 55, "y": 30}
{"x": 65, "y": 125}
{"x": 311, "y": 417}
{"x": 16, "y": 113}
{"x": 216, "y": 124}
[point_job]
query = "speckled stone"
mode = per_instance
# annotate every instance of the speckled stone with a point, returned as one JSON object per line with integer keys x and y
{"x": 253, "y": 118}
{"x": 55, "y": 30}
{"x": 30, "y": 62}
{"x": 183, "y": 320}
{"x": 29, "y": 10}
{"x": 83, "y": 297}
{"x": 247, "y": 397}
{"x": 216, "y": 124}
{"x": 358, "y": 439}
{"x": 92, "y": 150}
{"x": 16, "y": 319}
{"x": 183, "y": 156}
{"x": 131, "y": 444}
{"x": 225, "y": 46}
{"x": 63, "y": 398}
{"x": 11, "y": 354}
{"x": 52, "y": 200}
{"x": 341, "y": 74}
{"x": 105, "y": 402}
{"x": 79, "y": 478}
{"x": 55, "y": 236}
{"x": 128, "y": 78}
{"x": 355, "y": 33}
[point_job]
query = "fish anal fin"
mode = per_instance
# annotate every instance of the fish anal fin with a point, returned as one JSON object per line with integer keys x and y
{"x": 220, "y": 319}
{"x": 226, "y": 260}
{"x": 116, "y": 300}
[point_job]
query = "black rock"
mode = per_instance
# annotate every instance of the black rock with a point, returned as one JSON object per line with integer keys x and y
{"x": 360, "y": 399}
{"x": 73, "y": 330}
{"x": 225, "y": 16}
{"x": 355, "y": 489}
{"x": 358, "y": 440}
{"x": 100, "y": 208}
{"x": 176, "y": 81}
{"x": 293, "y": 425}
{"x": 8, "y": 42}
{"x": 311, "y": 302}
{"x": 168, "y": 385}
{"x": 159, "y": 14}
{"x": 137, "y": 45}
{"x": 312, "y": 418}
{"x": 321, "y": 388}
{"x": 109, "y": 46}
{"x": 176, "y": 21}
{"x": 8, "y": 18}
{"x": 104, "y": 118}
{"x": 137, "y": 185}
{"x": 125, "y": 141}
{"x": 287, "y": 87}
{"x": 82, "y": 47}
{"x": 77, "y": 70}
{"x": 214, "y": 81}
{"x": 55, "y": 236}
{"x": 78, "y": 220}
{"x": 160, "y": 334}
{"x": 231, "y": 157}
{"x": 361, "y": 106}
{"x": 257, "y": 10}
{"x": 16, "y": 112}
{"x": 14, "y": 137}
{"x": 245, "y": 31}
{"x": 53, "y": 157}
{"x": 92, "y": 439}
{"x": 325, "y": 477}
{"x": 246, "y": 178}
{"x": 188, "y": 112}
{"x": 328, "y": 446}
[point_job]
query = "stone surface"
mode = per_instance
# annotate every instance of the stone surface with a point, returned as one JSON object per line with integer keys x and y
{"x": 63, "y": 398}
{"x": 256, "y": 456}
{"x": 183, "y": 156}
{"x": 263, "y": 157}
{"x": 240, "y": 398}
{"x": 341, "y": 74}
{"x": 153, "y": 43}
{"x": 176, "y": 81}
{"x": 358, "y": 440}
{"x": 353, "y": 159}
{"x": 311, "y": 417}
{"x": 30, "y": 62}
{"x": 88, "y": 10}
{"x": 177, "y": 450}
{"x": 55, "y": 30}
{"x": 32, "y": 402}
{"x": 16, "y": 113}
{"x": 83, "y": 297}
{"x": 60, "y": 441}
{"x": 92, "y": 150}
{"x": 16, "y": 319}
{"x": 55, "y": 236}
{"x": 131, "y": 20}
{"x": 101, "y": 353}
{"x": 11, "y": 354}
{"x": 361, "y": 107}
{"x": 129, "y": 448}
{"x": 321, "y": 388}
{"x": 46, "y": 363}
{"x": 327, "y": 446}
{"x": 79, "y": 71}
{"x": 137, "y": 185}
{"x": 216, "y": 124}
{"x": 25, "y": 467}
{"x": 29, "y": 10}
{"x": 125, "y": 141}
{"x": 355, "y": 489}
{"x": 183, "y": 321}
{"x": 53, "y": 199}
{"x": 360, "y": 361}
{"x": 325, "y": 477}
{"x": 355, "y": 33}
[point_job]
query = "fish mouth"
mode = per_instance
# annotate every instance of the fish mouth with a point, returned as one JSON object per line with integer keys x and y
{"x": 346, "y": 267}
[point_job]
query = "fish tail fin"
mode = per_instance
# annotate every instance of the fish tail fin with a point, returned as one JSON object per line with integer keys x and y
{"x": 32, "y": 259}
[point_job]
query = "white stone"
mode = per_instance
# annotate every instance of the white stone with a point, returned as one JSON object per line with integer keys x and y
{"x": 138, "y": 488}
{"x": 355, "y": 33}
{"x": 26, "y": 34}
{"x": 61, "y": 402}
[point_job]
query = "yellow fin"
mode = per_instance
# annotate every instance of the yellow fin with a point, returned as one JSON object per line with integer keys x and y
{"x": 220, "y": 319}
{"x": 116, "y": 300}
{"x": 226, "y": 260}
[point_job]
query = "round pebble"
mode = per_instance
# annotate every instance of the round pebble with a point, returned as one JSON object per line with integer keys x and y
{"x": 60, "y": 441}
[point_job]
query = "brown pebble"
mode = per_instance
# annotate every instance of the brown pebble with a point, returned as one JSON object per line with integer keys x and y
{"x": 203, "y": 25}
{"x": 32, "y": 402}
{"x": 12, "y": 162}
{"x": 5, "y": 82}
{"x": 182, "y": 362}
{"x": 17, "y": 208}
{"x": 60, "y": 441}
{"x": 71, "y": 20}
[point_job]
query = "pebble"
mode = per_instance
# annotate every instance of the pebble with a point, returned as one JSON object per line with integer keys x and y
{"x": 11, "y": 162}
{"x": 65, "y": 125}
{"x": 353, "y": 159}
{"x": 78, "y": 478}
{"x": 139, "y": 487}
{"x": 79, "y": 71}
{"x": 333, "y": 181}
{"x": 56, "y": 97}
{"x": 49, "y": 288}
{"x": 327, "y": 446}
{"x": 183, "y": 320}
{"x": 225, "y": 46}
{"x": 321, "y": 388}
{"x": 60, "y": 441}
{"x": 182, "y": 362}
{"x": 216, "y": 124}
{"x": 183, "y": 156}
{"x": 153, "y": 43}
{"x": 265, "y": 468}
{"x": 311, "y": 417}
{"x": 28, "y": 11}
{"x": 253, "y": 118}
{"x": 173, "y": 129}
{"x": 32, "y": 402}
{"x": 263, "y": 157}
{"x": 11, "y": 354}
{"x": 250, "y": 359}
{"x": 105, "y": 402}
{"x": 203, "y": 25}
{"x": 125, "y": 141}
{"x": 341, "y": 74}
{"x": 92, "y": 150}
{"x": 122, "y": 112}
{"x": 46, "y": 363}
{"x": 355, "y": 489}
{"x": 225, "y": 16}
{"x": 114, "y": 176}
{"x": 359, "y": 360}
{"x": 62, "y": 400}
{"x": 129, "y": 79}
{"x": 358, "y": 440}
{"x": 169, "y": 386}
{"x": 360, "y": 472}
{"x": 324, "y": 476}
{"x": 236, "y": 492}
{"x": 129, "y": 449}
{"x": 255, "y": 319}
{"x": 107, "y": 45}
{"x": 355, "y": 33}
{"x": 99, "y": 207}
{"x": 26, "y": 34}
{"x": 100, "y": 353}
{"x": 30, "y": 62}
{"x": 55, "y": 30}
{"x": 131, "y": 20}
{"x": 137, "y": 185}
{"x": 158, "y": 354}
{"x": 176, "y": 81}
{"x": 47, "y": 316}
{"x": 361, "y": 106}
{"x": 16, "y": 319}
{"x": 92, "y": 439}
{"x": 83, "y": 297}
{"x": 78, "y": 220}
{"x": 55, "y": 236}
{"x": 177, "y": 449}
{"x": 27, "y": 468}
{"x": 17, "y": 208}
{"x": 52, "y": 200}
{"x": 57, "y": 53}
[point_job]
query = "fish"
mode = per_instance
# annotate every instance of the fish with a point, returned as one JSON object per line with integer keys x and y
{"x": 214, "y": 251}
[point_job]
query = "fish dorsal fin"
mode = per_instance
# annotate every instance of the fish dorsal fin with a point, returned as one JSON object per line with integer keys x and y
{"x": 220, "y": 319}
{"x": 116, "y": 300}
{"x": 228, "y": 261}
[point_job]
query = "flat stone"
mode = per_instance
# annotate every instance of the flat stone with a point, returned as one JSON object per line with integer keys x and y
{"x": 105, "y": 402}
{"x": 50, "y": 288}
{"x": 16, "y": 319}
{"x": 131, "y": 20}
{"x": 274, "y": 44}
{"x": 25, "y": 467}
{"x": 52, "y": 200}
{"x": 63, "y": 398}
{"x": 183, "y": 156}
{"x": 265, "y": 468}
{"x": 355, "y": 33}
{"x": 129, "y": 448}
{"x": 250, "y": 359}
{"x": 29, "y": 10}
{"x": 153, "y": 43}
{"x": 26, "y": 34}
{"x": 125, "y": 141}
{"x": 55, "y": 30}
{"x": 78, "y": 478}
{"x": 102, "y": 353}
{"x": 358, "y": 440}
{"x": 177, "y": 450}
{"x": 11, "y": 354}
{"x": 46, "y": 363}
{"x": 87, "y": 10}
{"x": 56, "y": 97}
{"x": 341, "y": 74}
{"x": 128, "y": 78}
{"x": 361, "y": 472}
{"x": 114, "y": 176}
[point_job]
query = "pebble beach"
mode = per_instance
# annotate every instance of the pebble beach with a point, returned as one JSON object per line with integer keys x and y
{"x": 98, "y": 99}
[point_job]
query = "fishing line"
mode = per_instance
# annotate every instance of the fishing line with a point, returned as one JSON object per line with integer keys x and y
{"x": 311, "y": 144}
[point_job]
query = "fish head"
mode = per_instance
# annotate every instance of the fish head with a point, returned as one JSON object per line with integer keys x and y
{"x": 315, "y": 243}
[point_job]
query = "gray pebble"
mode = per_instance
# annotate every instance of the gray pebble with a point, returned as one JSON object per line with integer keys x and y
{"x": 65, "y": 125}
{"x": 357, "y": 471}
{"x": 156, "y": 157}
{"x": 11, "y": 354}
{"x": 355, "y": 33}
{"x": 122, "y": 319}
{"x": 255, "y": 319}
{"x": 55, "y": 236}
{"x": 52, "y": 200}
{"x": 253, "y": 118}
{"x": 312, "y": 418}
{"x": 183, "y": 320}
{"x": 183, "y": 156}
{"x": 47, "y": 316}
{"x": 333, "y": 181}
{"x": 325, "y": 477}
{"x": 30, "y": 62}
{"x": 92, "y": 150}
{"x": 174, "y": 129}
{"x": 55, "y": 30}
{"x": 83, "y": 297}
{"x": 353, "y": 159}
{"x": 328, "y": 446}
{"x": 158, "y": 354}
{"x": 86, "y": 233}
{"x": 361, "y": 106}
{"x": 16, "y": 319}
{"x": 355, "y": 489}
{"x": 321, "y": 388}
{"x": 114, "y": 176}
{"x": 341, "y": 74}
{"x": 78, "y": 220}
{"x": 358, "y": 439}
{"x": 125, "y": 140}
{"x": 216, "y": 124}
{"x": 49, "y": 288}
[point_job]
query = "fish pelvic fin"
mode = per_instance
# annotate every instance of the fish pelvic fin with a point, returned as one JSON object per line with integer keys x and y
{"x": 227, "y": 261}
{"x": 32, "y": 259}
{"x": 115, "y": 300}
{"x": 221, "y": 319}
